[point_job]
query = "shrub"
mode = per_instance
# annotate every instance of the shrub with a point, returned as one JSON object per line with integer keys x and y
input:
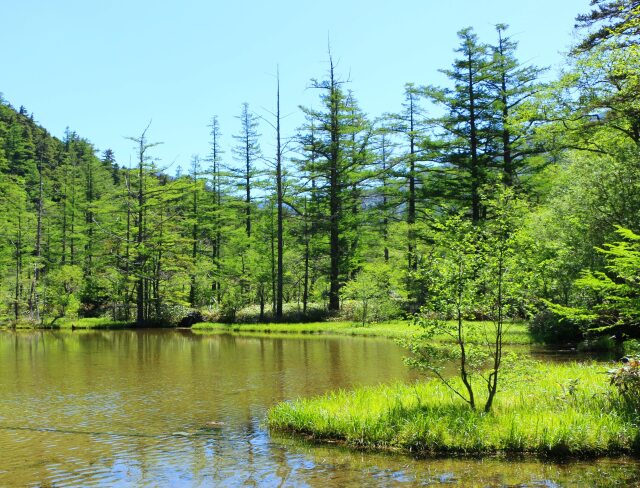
{"x": 373, "y": 295}
{"x": 291, "y": 313}
{"x": 632, "y": 346}
{"x": 63, "y": 287}
{"x": 597, "y": 344}
{"x": 193, "y": 317}
{"x": 626, "y": 380}
{"x": 550, "y": 328}
{"x": 610, "y": 302}
{"x": 169, "y": 314}
{"x": 377, "y": 311}
{"x": 211, "y": 314}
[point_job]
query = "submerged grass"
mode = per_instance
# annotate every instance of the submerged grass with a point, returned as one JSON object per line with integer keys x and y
{"x": 515, "y": 332}
{"x": 557, "y": 410}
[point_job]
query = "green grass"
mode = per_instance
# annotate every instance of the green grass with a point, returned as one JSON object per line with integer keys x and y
{"x": 537, "y": 415}
{"x": 92, "y": 323}
{"x": 516, "y": 332}
{"x": 78, "y": 323}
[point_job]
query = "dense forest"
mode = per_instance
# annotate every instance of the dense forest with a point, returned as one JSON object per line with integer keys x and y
{"x": 350, "y": 215}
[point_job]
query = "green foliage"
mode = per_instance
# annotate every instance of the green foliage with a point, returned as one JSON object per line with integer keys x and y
{"x": 232, "y": 301}
{"x": 611, "y": 297}
{"x": 375, "y": 294}
{"x": 63, "y": 287}
{"x": 617, "y": 20}
{"x": 551, "y": 328}
{"x": 291, "y": 313}
{"x": 476, "y": 272}
{"x": 364, "y": 206}
{"x": 516, "y": 333}
{"x": 626, "y": 380}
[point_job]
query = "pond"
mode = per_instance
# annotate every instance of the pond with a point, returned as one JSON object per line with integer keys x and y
{"x": 176, "y": 408}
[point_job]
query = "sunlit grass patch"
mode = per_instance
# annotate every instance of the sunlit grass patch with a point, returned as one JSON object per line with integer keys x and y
{"x": 515, "y": 332}
{"x": 70, "y": 323}
{"x": 559, "y": 410}
{"x": 91, "y": 323}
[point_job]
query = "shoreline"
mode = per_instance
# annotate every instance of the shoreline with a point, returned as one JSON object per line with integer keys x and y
{"x": 516, "y": 334}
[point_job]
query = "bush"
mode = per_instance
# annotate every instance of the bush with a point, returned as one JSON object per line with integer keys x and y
{"x": 379, "y": 310}
{"x": 631, "y": 346}
{"x": 63, "y": 287}
{"x": 230, "y": 304}
{"x": 291, "y": 313}
{"x": 193, "y": 317}
{"x": 373, "y": 296}
{"x": 211, "y": 315}
{"x": 597, "y": 344}
{"x": 626, "y": 380}
{"x": 549, "y": 328}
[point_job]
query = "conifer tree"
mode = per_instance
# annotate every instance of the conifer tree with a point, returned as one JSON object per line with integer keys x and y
{"x": 466, "y": 127}
{"x": 338, "y": 164}
{"x": 247, "y": 151}
{"x": 514, "y": 86}
{"x": 610, "y": 20}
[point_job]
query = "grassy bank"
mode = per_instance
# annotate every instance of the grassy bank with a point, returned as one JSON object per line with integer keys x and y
{"x": 92, "y": 323}
{"x": 70, "y": 323}
{"x": 516, "y": 333}
{"x": 557, "y": 410}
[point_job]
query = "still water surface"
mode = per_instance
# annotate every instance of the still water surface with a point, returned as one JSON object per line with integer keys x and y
{"x": 176, "y": 408}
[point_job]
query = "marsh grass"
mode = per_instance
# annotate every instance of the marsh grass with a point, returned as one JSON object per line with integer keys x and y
{"x": 83, "y": 323}
{"x": 515, "y": 332}
{"x": 90, "y": 323}
{"x": 556, "y": 410}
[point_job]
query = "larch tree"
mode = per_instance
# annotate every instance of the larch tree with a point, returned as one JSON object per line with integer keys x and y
{"x": 411, "y": 124}
{"x": 337, "y": 164}
{"x": 142, "y": 146}
{"x": 278, "y": 173}
{"x": 465, "y": 128}
{"x": 216, "y": 216}
{"x": 247, "y": 152}
{"x": 609, "y": 20}
{"x": 514, "y": 86}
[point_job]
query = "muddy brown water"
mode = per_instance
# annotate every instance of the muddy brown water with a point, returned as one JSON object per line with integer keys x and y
{"x": 176, "y": 408}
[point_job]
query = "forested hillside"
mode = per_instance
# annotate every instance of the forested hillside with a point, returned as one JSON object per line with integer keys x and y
{"x": 349, "y": 212}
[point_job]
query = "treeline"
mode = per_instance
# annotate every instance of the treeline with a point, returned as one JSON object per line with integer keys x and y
{"x": 348, "y": 210}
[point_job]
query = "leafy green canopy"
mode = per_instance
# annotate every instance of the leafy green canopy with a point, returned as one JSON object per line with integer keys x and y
{"x": 611, "y": 298}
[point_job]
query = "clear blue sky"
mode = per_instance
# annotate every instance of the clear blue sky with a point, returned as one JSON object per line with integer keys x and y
{"x": 105, "y": 68}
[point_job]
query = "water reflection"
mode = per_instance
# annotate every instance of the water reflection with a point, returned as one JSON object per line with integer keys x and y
{"x": 172, "y": 408}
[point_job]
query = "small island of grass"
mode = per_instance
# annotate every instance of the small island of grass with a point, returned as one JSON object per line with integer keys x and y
{"x": 553, "y": 410}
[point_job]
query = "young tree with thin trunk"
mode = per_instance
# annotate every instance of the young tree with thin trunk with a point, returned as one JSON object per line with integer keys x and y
{"x": 476, "y": 271}
{"x": 278, "y": 172}
{"x": 195, "y": 227}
